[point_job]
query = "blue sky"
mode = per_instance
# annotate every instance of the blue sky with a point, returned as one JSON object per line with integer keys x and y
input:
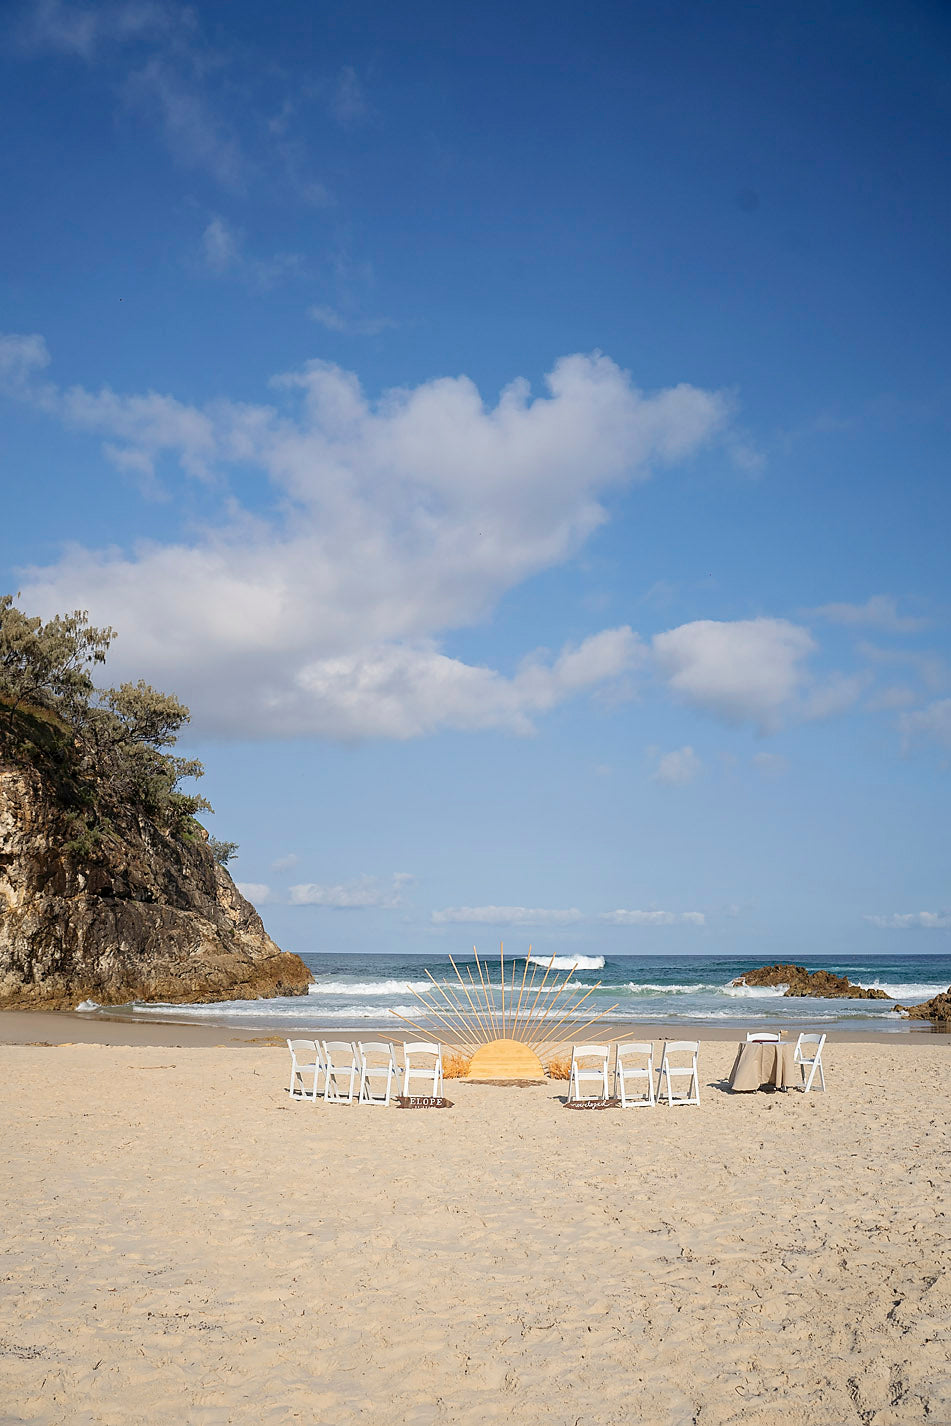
{"x": 520, "y": 434}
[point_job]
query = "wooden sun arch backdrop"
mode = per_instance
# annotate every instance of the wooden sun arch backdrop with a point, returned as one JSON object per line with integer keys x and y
{"x": 505, "y": 1031}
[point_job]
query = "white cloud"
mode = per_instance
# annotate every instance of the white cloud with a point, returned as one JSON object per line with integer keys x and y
{"x": 223, "y": 255}
{"x": 85, "y": 30}
{"x": 257, "y": 892}
{"x": 834, "y": 695}
{"x": 931, "y": 668}
{"x": 895, "y": 696}
{"x": 285, "y": 863}
{"x": 155, "y": 57}
{"x": 348, "y": 102}
{"x": 654, "y": 918}
{"x": 914, "y": 920}
{"x": 747, "y": 670}
{"x": 193, "y": 131}
{"x": 335, "y": 321}
{"x": 878, "y": 612}
{"x": 933, "y": 722}
{"x": 506, "y": 916}
{"x": 677, "y": 768}
{"x": 402, "y": 691}
{"x": 365, "y": 891}
{"x": 221, "y": 247}
{"x": 391, "y": 523}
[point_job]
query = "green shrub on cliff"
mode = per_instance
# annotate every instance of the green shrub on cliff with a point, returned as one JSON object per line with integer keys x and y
{"x": 106, "y": 751}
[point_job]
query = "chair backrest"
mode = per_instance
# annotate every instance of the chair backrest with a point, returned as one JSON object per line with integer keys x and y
{"x": 375, "y": 1047}
{"x": 339, "y": 1052}
{"x": 681, "y": 1047}
{"x": 817, "y": 1041}
{"x": 594, "y": 1052}
{"x": 422, "y": 1047}
{"x": 634, "y": 1047}
{"x": 762, "y": 1037}
{"x": 305, "y": 1052}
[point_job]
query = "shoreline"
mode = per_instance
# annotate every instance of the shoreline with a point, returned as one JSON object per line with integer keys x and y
{"x": 70, "y": 1027}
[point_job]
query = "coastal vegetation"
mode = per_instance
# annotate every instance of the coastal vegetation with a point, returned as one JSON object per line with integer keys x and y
{"x": 105, "y": 752}
{"x": 110, "y": 888}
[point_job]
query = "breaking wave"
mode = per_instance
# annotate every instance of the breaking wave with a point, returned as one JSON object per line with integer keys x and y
{"x": 569, "y": 962}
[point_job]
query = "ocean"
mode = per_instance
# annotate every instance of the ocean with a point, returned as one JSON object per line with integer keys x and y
{"x": 361, "y": 992}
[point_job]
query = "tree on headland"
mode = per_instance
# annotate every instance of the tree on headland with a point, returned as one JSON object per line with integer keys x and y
{"x": 107, "y": 751}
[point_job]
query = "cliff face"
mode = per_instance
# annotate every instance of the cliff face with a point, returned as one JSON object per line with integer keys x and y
{"x": 801, "y": 982}
{"x": 147, "y": 918}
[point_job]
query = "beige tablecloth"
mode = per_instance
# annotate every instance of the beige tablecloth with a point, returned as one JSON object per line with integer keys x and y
{"x": 761, "y": 1063}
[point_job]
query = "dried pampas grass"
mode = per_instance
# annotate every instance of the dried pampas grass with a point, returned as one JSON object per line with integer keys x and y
{"x": 559, "y": 1067}
{"x": 454, "y": 1065}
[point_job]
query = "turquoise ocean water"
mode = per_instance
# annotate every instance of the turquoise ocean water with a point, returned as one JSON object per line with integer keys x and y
{"x": 359, "y": 992}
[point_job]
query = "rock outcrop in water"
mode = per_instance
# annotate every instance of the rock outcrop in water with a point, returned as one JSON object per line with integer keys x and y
{"x": 938, "y": 1008}
{"x": 145, "y": 916}
{"x": 801, "y": 982}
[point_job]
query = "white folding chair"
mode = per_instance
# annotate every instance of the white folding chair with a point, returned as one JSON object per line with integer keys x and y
{"x": 640, "y": 1073}
{"x": 596, "y": 1075}
{"x": 670, "y": 1072}
{"x": 423, "y": 1060}
{"x": 340, "y": 1060}
{"x": 815, "y": 1043}
{"x": 306, "y": 1060}
{"x": 376, "y": 1073}
{"x": 762, "y": 1037}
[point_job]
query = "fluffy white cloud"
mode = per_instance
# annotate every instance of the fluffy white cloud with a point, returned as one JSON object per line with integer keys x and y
{"x": 878, "y": 612}
{"x": 365, "y": 891}
{"x": 506, "y": 916}
{"x": 933, "y": 722}
{"x": 678, "y": 767}
{"x": 914, "y": 920}
{"x": 745, "y": 670}
{"x": 654, "y": 918}
{"x": 257, "y": 892}
{"x": 391, "y": 523}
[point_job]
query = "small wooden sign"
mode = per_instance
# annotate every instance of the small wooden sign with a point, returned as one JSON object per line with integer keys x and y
{"x": 422, "y": 1101}
{"x": 593, "y": 1104}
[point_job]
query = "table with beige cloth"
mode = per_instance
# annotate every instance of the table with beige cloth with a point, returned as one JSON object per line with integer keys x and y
{"x": 766, "y": 1062}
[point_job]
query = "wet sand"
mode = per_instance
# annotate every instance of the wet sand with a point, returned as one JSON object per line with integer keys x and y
{"x": 25, "y": 1027}
{"x": 182, "y": 1244}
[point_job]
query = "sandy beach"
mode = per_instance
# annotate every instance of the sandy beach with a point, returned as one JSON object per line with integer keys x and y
{"x": 183, "y": 1244}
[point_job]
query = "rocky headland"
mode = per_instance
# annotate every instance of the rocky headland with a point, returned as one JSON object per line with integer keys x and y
{"x": 110, "y": 889}
{"x": 937, "y": 1009}
{"x": 801, "y": 982}
{"x": 146, "y": 916}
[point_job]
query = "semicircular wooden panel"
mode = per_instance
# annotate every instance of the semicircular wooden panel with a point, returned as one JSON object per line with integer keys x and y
{"x": 505, "y": 1059}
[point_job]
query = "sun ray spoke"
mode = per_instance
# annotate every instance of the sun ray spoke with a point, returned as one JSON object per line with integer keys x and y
{"x": 504, "y": 1035}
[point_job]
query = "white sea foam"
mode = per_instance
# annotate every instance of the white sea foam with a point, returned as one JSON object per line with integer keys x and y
{"x": 749, "y": 992}
{"x": 367, "y": 987}
{"x": 648, "y": 987}
{"x": 908, "y": 990}
{"x": 299, "y": 1011}
{"x": 569, "y": 962}
{"x": 89, "y": 1005}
